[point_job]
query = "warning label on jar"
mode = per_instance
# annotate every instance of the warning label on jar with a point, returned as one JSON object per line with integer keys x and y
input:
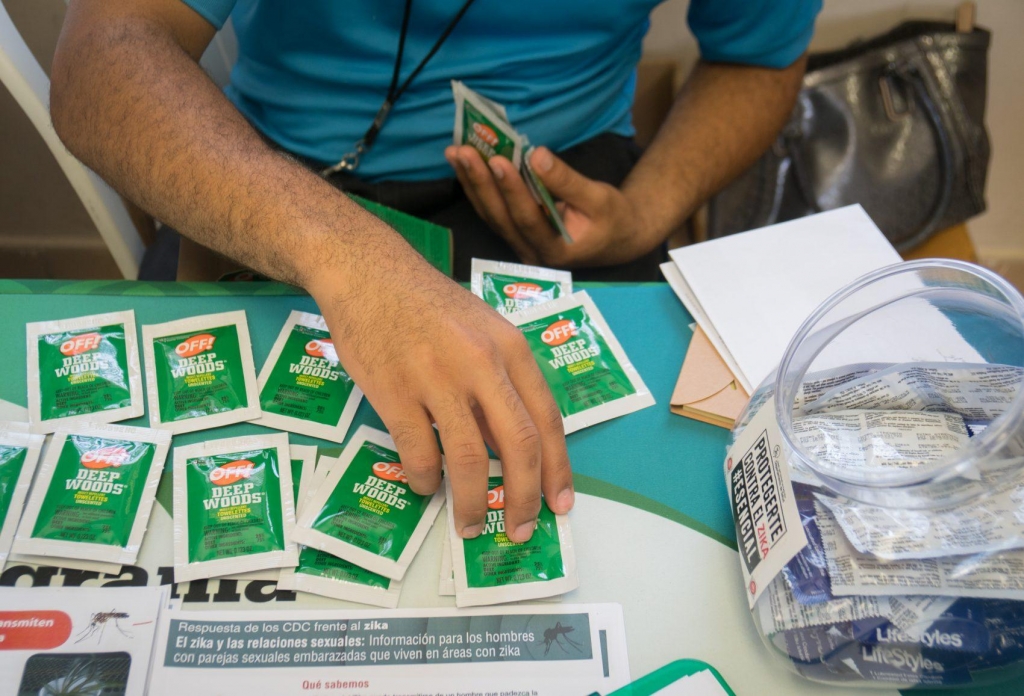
{"x": 768, "y": 529}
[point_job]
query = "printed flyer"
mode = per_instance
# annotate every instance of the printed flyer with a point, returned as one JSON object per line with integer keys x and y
{"x": 555, "y": 650}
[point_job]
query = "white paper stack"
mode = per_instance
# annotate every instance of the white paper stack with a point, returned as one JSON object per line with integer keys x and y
{"x": 750, "y": 292}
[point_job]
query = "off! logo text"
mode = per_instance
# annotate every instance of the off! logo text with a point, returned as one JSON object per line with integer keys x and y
{"x": 322, "y": 348}
{"x": 390, "y": 472}
{"x": 232, "y": 472}
{"x": 105, "y": 457}
{"x": 496, "y": 498}
{"x": 486, "y": 134}
{"x": 80, "y": 344}
{"x": 522, "y": 291}
{"x": 559, "y": 332}
{"x": 200, "y": 343}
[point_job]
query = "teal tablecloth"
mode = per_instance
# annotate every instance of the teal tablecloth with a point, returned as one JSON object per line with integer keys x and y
{"x": 653, "y": 460}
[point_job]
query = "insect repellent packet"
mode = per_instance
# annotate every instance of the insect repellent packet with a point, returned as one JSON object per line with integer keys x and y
{"x": 590, "y": 376}
{"x": 483, "y": 124}
{"x": 511, "y": 287}
{"x": 364, "y": 510}
{"x": 200, "y": 372}
{"x": 234, "y": 507}
{"x": 93, "y": 494}
{"x": 542, "y": 195}
{"x": 491, "y": 569}
{"x": 318, "y": 572}
{"x": 19, "y": 454}
{"x": 84, "y": 369}
{"x": 303, "y": 387}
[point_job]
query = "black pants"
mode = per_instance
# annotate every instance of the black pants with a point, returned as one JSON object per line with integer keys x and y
{"x": 608, "y": 158}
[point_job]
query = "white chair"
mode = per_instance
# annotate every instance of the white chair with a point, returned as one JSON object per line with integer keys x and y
{"x": 27, "y": 82}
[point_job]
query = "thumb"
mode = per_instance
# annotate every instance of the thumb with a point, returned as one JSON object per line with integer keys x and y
{"x": 562, "y": 180}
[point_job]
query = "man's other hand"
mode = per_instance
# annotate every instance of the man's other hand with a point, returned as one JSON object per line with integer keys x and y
{"x": 606, "y": 227}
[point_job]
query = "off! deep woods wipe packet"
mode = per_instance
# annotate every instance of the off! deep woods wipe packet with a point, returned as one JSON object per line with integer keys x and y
{"x": 84, "y": 369}
{"x": 491, "y": 569}
{"x": 19, "y": 454}
{"x": 200, "y": 373}
{"x": 364, "y": 510}
{"x": 511, "y": 287}
{"x": 93, "y": 494}
{"x": 234, "y": 507}
{"x": 590, "y": 376}
{"x": 303, "y": 387}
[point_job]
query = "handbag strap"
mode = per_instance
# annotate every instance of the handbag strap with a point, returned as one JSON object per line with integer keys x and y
{"x": 911, "y": 74}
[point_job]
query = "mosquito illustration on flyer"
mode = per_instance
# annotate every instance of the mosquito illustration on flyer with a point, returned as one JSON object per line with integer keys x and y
{"x": 98, "y": 623}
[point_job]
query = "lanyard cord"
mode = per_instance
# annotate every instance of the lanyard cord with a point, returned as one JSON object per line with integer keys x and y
{"x": 351, "y": 160}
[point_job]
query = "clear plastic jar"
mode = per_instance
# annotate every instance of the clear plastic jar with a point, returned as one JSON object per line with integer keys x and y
{"x": 900, "y": 419}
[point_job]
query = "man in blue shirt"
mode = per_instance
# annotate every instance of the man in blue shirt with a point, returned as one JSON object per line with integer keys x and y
{"x": 237, "y": 172}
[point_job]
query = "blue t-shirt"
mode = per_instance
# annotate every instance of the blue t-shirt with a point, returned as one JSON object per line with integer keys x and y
{"x": 311, "y": 75}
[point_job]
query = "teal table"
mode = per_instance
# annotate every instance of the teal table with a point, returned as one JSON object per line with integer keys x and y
{"x": 651, "y": 460}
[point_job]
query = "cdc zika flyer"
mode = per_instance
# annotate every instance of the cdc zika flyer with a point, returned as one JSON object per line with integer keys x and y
{"x": 556, "y": 650}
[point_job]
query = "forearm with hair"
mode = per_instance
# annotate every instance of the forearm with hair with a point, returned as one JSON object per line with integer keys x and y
{"x": 134, "y": 106}
{"x": 724, "y": 118}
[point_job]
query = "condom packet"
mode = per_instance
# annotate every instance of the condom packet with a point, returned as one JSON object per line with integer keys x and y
{"x": 93, "y": 494}
{"x": 19, "y": 455}
{"x": 511, "y": 287}
{"x": 491, "y": 569}
{"x": 364, "y": 511}
{"x": 84, "y": 369}
{"x": 234, "y": 507}
{"x": 200, "y": 372}
{"x": 303, "y": 387}
{"x": 590, "y": 376}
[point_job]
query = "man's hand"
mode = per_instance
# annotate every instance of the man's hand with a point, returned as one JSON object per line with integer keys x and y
{"x": 424, "y": 350}
{"x": 723, "y": 119}
{"x": 607, "y": 228}
{"x": 129, "y": 99}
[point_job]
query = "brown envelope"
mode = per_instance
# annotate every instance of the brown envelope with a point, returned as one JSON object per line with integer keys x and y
{"x": 707, "y": 391}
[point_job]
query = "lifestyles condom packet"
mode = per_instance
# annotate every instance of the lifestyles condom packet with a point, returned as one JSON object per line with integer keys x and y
{"x": 84, "y": 369}
{"x": 511, "y": 287}
{"x": 19, "y": 454}
{"x": 491, "y": 569}
{"x": 320, "y": 573}
{"x": 364, "y": 510}
{"x": 590, "y": 376}
{"x": 200, "y": 372}
{"x": 234, "y": 507}
{"x": 94, "y": 493}
{"x": 303, "y": 387}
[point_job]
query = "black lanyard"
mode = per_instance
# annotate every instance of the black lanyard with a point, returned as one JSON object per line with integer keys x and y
{"x": 350, "y": 161}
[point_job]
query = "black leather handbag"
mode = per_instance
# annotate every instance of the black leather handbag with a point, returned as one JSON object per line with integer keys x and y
{"x": 895, "y": 124}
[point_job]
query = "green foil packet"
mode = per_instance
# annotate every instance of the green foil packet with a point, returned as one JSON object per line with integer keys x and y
{"x": 483, "y": 124}
{"x": 234, "y": 507}
{"x": 491, "y": 569}
{"x": 364, "y": 510}
{"x": 19, "y": 454}
{"x": 320, "y": 573}
{"x": 513, "y": 287}
{"x": 543, "y": 196}
{"x": 83, "y": 370}
{"x": 93, "y": 494}
{"x": 303, "y": 387}
{"x": 200, "y": 372}
{"x": 590, "y": 376}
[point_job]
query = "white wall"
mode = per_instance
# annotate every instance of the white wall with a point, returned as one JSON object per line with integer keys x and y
{"x": 997, "y": 233}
